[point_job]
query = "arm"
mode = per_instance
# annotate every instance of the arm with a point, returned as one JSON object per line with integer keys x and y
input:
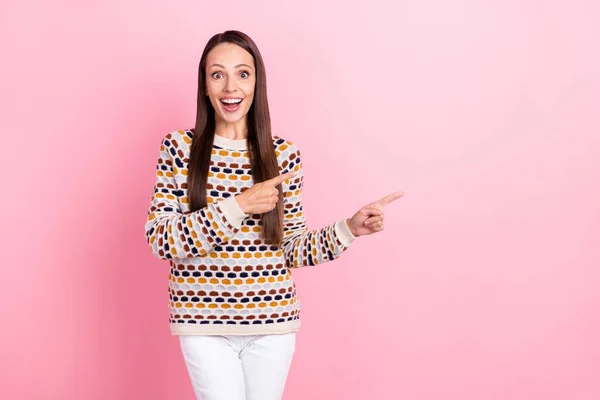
{"x": 173, "y": 234}
{"x": 303, "y": 247}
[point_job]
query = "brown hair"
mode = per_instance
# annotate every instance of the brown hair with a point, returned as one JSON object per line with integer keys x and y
{"x": 263, "y": 159}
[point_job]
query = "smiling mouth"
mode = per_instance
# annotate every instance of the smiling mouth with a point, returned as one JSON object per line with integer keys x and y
{"x": 231, "y": 104}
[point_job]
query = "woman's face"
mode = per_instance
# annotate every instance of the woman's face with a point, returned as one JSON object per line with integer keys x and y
{"x": 230, "y": 82}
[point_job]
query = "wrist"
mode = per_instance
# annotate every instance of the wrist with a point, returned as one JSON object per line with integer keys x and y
{"x": 352, "y": 231}
{"x": 241, "y": 203}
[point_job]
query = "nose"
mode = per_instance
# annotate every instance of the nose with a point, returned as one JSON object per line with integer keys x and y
{"x": 230, "y": 85}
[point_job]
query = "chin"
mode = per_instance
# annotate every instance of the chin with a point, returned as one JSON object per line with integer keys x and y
{"x": 233, "y": 118}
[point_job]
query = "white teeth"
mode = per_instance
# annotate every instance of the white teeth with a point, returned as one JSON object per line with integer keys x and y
{"x": 231, "y": 101}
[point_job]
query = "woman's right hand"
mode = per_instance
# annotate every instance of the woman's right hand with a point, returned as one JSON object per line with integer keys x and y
{"x": 263, "y": 196}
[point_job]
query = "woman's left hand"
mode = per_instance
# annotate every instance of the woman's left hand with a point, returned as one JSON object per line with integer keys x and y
{"x": 369, "y": 219}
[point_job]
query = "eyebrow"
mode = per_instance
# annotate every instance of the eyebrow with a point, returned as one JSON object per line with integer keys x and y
{"x": 237, "y": 66}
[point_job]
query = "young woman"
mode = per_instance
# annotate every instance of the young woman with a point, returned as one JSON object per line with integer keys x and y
{"x": 227, "y": 213}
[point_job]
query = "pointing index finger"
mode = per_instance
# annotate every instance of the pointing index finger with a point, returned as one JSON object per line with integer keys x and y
{"x": 281, "y": 178}
{"x": 388, "y": 199}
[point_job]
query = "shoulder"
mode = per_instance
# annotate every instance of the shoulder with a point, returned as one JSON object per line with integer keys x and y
{"x": 288, "y": 154}
{"x": 285, "y": 149}
{"x": 177, "y": 140}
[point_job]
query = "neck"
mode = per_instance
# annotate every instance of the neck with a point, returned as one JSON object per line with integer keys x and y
{"x": 234, "y": 131}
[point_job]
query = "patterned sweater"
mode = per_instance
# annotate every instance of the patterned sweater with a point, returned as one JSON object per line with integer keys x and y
{"x": 224, "y": 279}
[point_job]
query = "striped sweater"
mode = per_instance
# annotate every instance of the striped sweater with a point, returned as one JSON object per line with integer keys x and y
{"x": 224, "y": 279}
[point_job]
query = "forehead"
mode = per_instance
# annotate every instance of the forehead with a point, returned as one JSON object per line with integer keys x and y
{"x": 229, "y": 55}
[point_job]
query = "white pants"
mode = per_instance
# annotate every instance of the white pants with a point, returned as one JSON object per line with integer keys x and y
{"x": 238, "y": 367}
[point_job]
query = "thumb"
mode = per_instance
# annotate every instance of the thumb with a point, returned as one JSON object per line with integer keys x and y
{"x": 370, "y": 210}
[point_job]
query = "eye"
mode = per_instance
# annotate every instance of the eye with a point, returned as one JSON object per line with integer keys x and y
{"x": 216, "y": 75}
{"x": 244, "y": 74}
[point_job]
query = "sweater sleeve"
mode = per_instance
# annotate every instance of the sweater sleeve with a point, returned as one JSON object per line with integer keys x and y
{"x": 174, "y": 234}
{"x": 303, "y": 247}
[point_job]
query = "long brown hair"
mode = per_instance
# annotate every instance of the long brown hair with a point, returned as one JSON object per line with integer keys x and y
{"x": 263, "y": 159}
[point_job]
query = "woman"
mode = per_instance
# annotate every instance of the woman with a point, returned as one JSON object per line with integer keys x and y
{"x": 227, "y": 214}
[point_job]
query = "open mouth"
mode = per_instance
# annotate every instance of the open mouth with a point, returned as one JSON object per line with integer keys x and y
{"x": 231, "y": 104}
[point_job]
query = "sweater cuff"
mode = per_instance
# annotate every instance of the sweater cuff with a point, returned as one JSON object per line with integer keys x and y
{"x": 343, "y": 232}
{"x": 232, "y": 211}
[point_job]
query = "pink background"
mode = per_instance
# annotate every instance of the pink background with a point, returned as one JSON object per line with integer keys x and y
{"x": 485, "y": 283}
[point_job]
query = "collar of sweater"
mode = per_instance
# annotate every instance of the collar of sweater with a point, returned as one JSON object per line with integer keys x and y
{"x": 233, "y": 144}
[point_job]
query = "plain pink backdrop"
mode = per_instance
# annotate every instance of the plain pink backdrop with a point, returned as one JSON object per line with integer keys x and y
{"x": 485, "y": 283}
